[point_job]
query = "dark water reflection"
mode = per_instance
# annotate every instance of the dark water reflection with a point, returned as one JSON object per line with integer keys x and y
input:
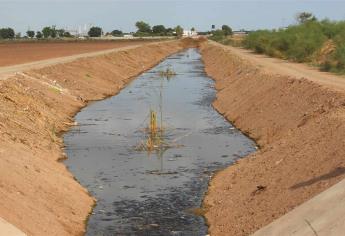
{"x": 141, "y": 194}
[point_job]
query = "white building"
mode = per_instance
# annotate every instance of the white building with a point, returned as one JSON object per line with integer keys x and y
{"x": 189, "y": 33}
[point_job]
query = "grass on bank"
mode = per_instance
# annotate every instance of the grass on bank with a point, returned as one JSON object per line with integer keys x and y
{"x": 320, "y": 43}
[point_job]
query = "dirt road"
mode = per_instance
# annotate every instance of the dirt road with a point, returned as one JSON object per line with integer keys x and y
{"x": 19, "y": 53}
{"x": 283, "y": 67}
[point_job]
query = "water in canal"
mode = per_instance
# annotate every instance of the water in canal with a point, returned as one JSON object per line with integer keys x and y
{"x": 152, "y": 193}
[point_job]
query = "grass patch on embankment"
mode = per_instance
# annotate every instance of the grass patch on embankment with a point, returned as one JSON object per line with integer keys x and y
{"x": 320, "y": 43}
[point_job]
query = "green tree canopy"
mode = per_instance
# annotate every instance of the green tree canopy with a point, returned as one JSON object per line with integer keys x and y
{"x": 179, "y": 31}
{"x": 143, "y": 27}
{"x": 67, "y": 34}
{"x": 30, "y": 33}
{"x": 60, "y": 33}
{"x": 303, "y": 17}
{"x": 7, "y": 33}
{"x": 53, "y": 31}
{"x": 159, "y": 29}
{"x": 117, "y": 33}
{"x": 169, "y": 31}
{"x": 227, "y": 30}
{"x": 39, "y": 34}
{"x": 46, "y": 31}
{"x": 95, "y": 32}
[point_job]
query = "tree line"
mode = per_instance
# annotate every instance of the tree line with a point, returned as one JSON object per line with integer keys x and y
{"x": 47, "y": 32}
{"x": 143, "y": 29}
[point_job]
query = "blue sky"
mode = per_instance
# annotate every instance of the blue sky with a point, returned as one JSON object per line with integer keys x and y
{"x": 121, "y": 14}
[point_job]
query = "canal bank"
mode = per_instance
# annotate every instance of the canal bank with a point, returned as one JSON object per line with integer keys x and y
{"x": 38, "y": 194}
{"x": 298, "y": 124}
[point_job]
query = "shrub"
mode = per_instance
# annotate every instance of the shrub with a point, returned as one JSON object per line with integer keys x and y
{"x": 302, "y": 42}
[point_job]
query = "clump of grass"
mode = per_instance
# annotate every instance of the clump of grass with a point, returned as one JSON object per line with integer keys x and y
{"x": 88, "y": 76}
{"x": 168, "y": 73}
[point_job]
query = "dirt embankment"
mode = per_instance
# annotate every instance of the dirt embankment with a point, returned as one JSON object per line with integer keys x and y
{"x": 300, "y": 128}
{"x": 37, "y": 193}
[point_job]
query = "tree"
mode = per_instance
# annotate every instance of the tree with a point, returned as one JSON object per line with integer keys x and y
{"x": 60, "y": 33}
{"x": 67, "y": 35}
{"x": 303, "y": 17}
{"x": 159, "y": 29}
{"x": 7, "y": 33}
{"x": 30, "y": 33}
{"x": 192, "y": 29}
{"x": 227, "y": 30}
{"x": 95, "y": 32}
{"x": 169, "y": 31}
{"x": 117, "y": 33}
{"x": 53, "y": 31}
{"x": 39, "y": 35}
{"x": 46, "y": 31}
{"x": 179, "y": 31}
{"x": 143, "y": 27}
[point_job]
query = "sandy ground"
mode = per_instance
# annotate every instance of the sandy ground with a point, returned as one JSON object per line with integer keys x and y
{"x": 37, "y": 193}
{"x": 299, "y": 124}
{"x": 18, "y": 53}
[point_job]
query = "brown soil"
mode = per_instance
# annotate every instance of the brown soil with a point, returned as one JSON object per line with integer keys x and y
{"x": 37, "y": 193}
{"x": 299, "y": 125}
{"x": 18, "y": 53}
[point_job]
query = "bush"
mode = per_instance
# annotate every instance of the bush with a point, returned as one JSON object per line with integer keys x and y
{"x": 218, "y": 35}
{"x": 302, "y": 42}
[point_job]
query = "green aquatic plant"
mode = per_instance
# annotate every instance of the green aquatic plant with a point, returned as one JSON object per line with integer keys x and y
{"x": 168, "y": 73}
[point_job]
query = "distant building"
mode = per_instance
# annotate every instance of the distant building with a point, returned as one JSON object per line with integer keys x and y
{"x": 189, "y": 33}
{"x": 81, "y": 31}
{"x": 128, "y": 36}
{"x": 241, "y": 32}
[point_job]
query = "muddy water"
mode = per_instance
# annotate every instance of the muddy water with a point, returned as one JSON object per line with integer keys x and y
{"x": 142, "y": 193}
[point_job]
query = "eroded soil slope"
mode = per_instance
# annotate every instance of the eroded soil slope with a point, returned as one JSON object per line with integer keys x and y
{"x": 300, "y": 127}
{"x": 37, "y": 193}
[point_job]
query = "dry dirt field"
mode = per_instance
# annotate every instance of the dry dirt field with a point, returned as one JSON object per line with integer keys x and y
{"x": 24, "y": 52}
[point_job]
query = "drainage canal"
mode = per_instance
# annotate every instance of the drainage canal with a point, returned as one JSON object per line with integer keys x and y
{"x": 147, "y": 153}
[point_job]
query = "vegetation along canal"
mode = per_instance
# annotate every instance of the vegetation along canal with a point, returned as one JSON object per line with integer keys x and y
{"x": 147, "y": 154}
